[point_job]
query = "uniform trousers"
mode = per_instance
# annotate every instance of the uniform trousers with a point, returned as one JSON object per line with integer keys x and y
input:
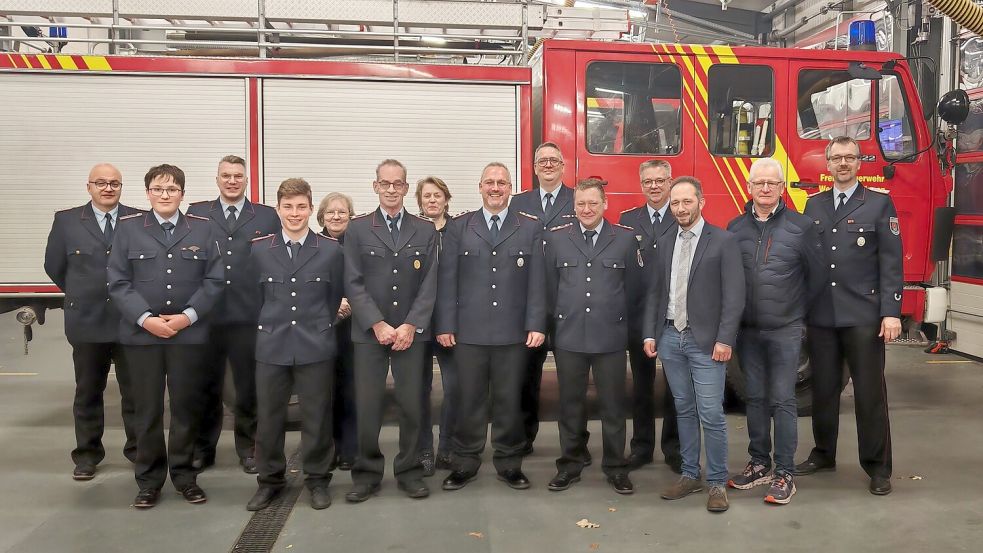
{"x": 315, "y": 387}
{"x": 863, "y": 352}
{"x": 345, "y": 421}
{"x": 178, "y": 367}
{"x": 489, "y": 374}
{"x": 92, "y": 362}
{"x": 372, "y": 365}
{"x": 448, "y": 403}
{"x": 572, "y": 371}
{"x": 235, "y": 343}
{"x": 643, "y": 375}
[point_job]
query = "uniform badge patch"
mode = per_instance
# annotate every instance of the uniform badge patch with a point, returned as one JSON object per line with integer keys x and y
{"x": 861, "y": 241}
{"x": 416, "y": 264}
{"x": 897, "y": 297}
{"x": 895, "y": 227}
{"x": 520, "y": 262}
{"x": 638, "y": 237}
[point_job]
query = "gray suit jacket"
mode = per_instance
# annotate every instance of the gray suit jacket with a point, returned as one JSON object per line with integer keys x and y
{"x": 715, "y": 296}
{"x": 396, "y": 283}
{"x": 588, "y": 287}
{"x": 492, "y": 292}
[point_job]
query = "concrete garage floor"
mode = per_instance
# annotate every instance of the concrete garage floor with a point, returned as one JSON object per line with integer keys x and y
{"x": 936, "y": 420}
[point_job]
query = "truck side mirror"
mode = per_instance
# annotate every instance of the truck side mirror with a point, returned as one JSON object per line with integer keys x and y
{"x": 954, "y": 106}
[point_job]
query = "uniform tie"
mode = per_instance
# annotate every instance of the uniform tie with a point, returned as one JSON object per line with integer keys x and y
{"x": 107, "y": 231}
{"x": 589, "y": 237}
{"x": 294, "y": 250}
{"x": 549, "y": 204}
{"x": 168, "y": 227}
{"x": 494, "y": 228}
{"x": 231, "y": 219}
{"x": 394, "y": 227}
{"x": 680, "y": 317}
{"x": 656, "y": 219}
{"x": 842, "y": 197}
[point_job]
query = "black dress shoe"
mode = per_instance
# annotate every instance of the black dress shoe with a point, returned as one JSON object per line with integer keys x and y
{"x": 84, "y": 472}
{"x": 414, "y": 488}
{"x": 146, "y": 498}
{"x": 562, "y": 481}
{"x": 621, "y": 483}
{"x": 880, "y": 485}
{"x": 457, "y": 480}
{"x": 249, "y": 465}
{"x": 638, "y": 460}
{"x": 361, "y": 492}
{"x": 514, "y": 479}
{"x": 812, "y": 466}
{"x": 262, "y": 498}
{"x": 320, "y": 498}
{"x": 193, "y": 494}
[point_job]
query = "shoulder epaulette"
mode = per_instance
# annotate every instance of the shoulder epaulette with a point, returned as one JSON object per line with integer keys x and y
{"x": 629, "y": 209}
{"x": 558, "y": 227}
{"x": 324, "y": 236}
{"x": 421, "y": 217}
{"x": 569, "y": 216}
{"x": 879, "y": 190}
{"x": 463, "y": 213}
{"x": 202, "y": 202}
{"x": 199, "y": 217}
{"x": 130, "y": 216}
{"x": 521, "y": 193}
{"x": 258, "y": 238}
{"x": 362, "y": 215}
{"x": 815, "y": 193}
{"x": 624, "y": 226}
{"x": 529, "y": 215}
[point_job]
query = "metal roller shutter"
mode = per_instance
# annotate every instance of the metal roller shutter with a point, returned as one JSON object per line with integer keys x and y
{"x": 55, "y": 127}
{"x": 334, "y": 133}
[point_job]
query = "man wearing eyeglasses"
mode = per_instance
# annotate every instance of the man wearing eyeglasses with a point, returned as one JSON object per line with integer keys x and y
{"x": 75, "y": 260}
{"x": 391, "y": 283}
{"x": 857, "y": 313}
{"x": 165, "y": 275}
{"x": 491, "y": 311}
{"x": 235, "y": 221}
{"x": 650, "y": 221}
{"x": 783, "y": 274}
{"x": 552, "y": 203}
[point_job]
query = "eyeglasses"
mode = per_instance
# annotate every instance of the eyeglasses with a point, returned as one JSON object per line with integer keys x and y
{"x": 647, "y": 183}
{"x": 336, "y": 213}
{"x": 233, "y": 178}
{"x": 496, "y": 183}
{"x": 386, "y": 185}
{"x": 158, "y": 191}
{"x": 768, "y": 183}
{"x": 840, "y": 159}
{"x": 102, "y": 184}
{"x": 549, "y": 161}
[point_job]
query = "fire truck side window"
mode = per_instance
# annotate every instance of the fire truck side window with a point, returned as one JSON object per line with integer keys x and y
{"x": 633, "y": 108}
{"x": 741, "y": 99}
{"x": 893, "y": 119}
{"x": 832, "y": 104}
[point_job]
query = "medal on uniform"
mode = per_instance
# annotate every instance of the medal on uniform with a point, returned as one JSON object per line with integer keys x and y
{"x": 861, "y": 241}
{"x": 638, "y": 255}
{"x": 519, "y": 262}
{"x": 416, "y": 264}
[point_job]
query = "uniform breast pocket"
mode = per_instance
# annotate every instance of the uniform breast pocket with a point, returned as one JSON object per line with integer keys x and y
{"x": 374, "y": 258}
{"x": 566, "y": 263}
{"x": 144, "y": 264}
{"x": 317, "y": 280}
{"x": 614, "y": 264}
{"x": 193, "y": 262}
{"x": 416, "y": 256}
{"x": 271, "y": 283}
{"x": 520, "y": 257}
{"x": 79, "y": 257}
{"x": 862, "y": 235}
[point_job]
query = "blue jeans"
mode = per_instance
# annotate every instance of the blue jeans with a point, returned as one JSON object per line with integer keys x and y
{"x": 769, "y": 360}
{"x": 697, "y": 384}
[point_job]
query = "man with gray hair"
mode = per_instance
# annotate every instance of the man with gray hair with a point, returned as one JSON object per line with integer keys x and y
{"x": 784, "y": 273}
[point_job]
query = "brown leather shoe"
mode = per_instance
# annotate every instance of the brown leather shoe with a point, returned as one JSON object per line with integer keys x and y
{"x": 717, "y": 499}
{"x": 683, "y": 487}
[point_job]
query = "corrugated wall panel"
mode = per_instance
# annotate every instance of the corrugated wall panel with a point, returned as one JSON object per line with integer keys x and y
{"x": 334, "y": 133}
{"x": 55, "y": 127}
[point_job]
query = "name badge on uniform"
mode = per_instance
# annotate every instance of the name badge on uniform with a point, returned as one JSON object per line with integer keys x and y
{"x": 416, "y": 264}
{"x": 520, "y": 262}
{"x": 861, "y": 241}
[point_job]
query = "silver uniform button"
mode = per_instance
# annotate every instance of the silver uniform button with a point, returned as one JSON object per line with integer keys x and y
{"x": 494, "y": 253}
{"x": 141, "y": 255}
{"x": 230, "y": 239}
{"x": 395, "y": 287}
{"x": 588, "y": 279}
{"x": 293, "y": 308}
{"x": 832, "y": 265}
{"x": 169, "y": 271}
{"x": 395, "y": 271}
{"x": 260, "y": 327}
{"x": 494, "y": 270}
{"x": 168, "y": 286}
{"x": 229, "y": 252}
{"x": 834, "y": 230}
{"x": 292, "y": 294}
{"x": 833, "y": 284}
{"x": 228, "y": 282}
{"x": 170, "y": 255}
{"x": 494, "y": 304}
{"x": 588, "y": 294}
{"x": 293, "y": 279}
{"x": 833, "y": 247}
{"x": 493, "y": 286}
{"x": 395, "y": 254}
{"x": 293, "y": 322}
{"x": 395, "y": 303}
{"x": 227, "y": 267}
{"x": 317, "y": 279}
{"x": 270, "y": 279}
{"x": 168, "y": 302}
{"x": 588, "y": 310}
{"x": 588, "y": 264}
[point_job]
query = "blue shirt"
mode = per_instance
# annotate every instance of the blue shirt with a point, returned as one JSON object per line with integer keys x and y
{"x": 101, "y": 216}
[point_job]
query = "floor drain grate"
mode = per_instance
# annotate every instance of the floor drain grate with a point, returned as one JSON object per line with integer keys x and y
{"x": 263, "y": 529}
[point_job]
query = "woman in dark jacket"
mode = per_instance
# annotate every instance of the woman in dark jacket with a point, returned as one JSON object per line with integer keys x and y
{"x": 433, "y": 197}
{"x": 334, "y": 213}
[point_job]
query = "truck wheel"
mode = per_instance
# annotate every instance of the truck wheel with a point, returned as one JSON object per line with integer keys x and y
{"x": 803, "y": 382}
